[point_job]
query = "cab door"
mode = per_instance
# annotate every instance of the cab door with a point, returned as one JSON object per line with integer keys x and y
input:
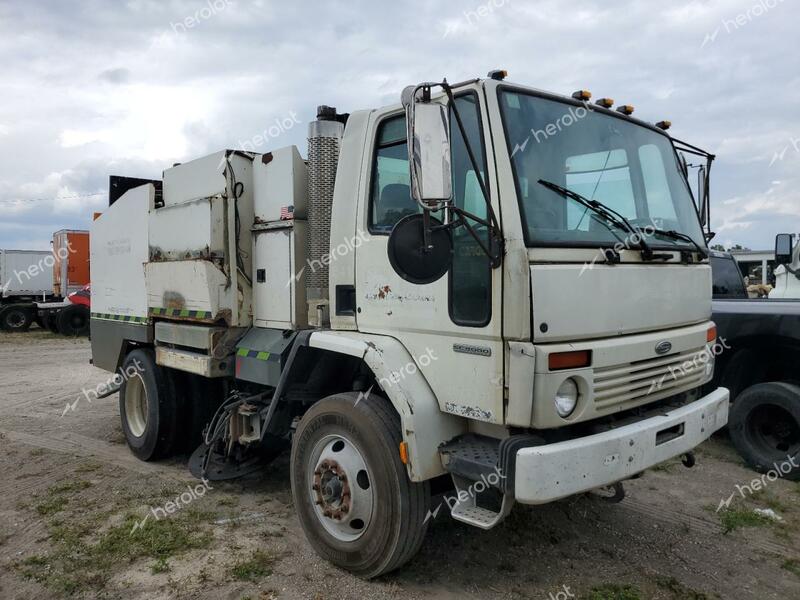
{"x": 451, "y": 327}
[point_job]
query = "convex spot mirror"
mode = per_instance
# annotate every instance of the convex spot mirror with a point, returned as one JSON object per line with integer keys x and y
{"x": 413, "y": 257}
{"x": 783, "y": 248}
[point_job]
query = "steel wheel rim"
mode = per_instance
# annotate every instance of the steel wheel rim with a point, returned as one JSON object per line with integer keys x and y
{"x": 136, "y": 405}
{"x": 15, "y": 319}
{"x": 340, "y": 488}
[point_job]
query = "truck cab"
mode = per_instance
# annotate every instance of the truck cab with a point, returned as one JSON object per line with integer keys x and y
{"x": 787, "y": 273}
{"x": 515, "y": 305}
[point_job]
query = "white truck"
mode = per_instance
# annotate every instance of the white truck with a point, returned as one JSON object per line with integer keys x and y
{"x": 515, "y": 306}
{"x": 26, "y": 276}
{"x": 787, "y": 273}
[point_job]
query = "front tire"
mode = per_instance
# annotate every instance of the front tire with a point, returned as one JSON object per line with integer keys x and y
{"x": 764, "y": 425}
{"x": 356, "y": 504}
{"x": 148, "y": 406}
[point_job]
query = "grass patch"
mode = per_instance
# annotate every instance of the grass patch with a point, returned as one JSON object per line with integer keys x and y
{"x": 257, "y": 566}
{"x": 736, "y": 518}
{"x": 613, "y": 591}
{"x": 56, "y": 497}
{"x": 792, "y": 565}
{"x": 79, "y": 563}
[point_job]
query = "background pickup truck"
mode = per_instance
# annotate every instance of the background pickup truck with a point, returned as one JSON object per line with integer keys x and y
{"x": 760, "y": 365}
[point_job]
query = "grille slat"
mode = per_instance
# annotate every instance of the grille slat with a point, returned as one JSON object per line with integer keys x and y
{"x": 647, "y": 379}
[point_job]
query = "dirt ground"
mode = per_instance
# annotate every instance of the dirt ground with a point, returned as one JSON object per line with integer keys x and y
{"x": 72, "y": 495}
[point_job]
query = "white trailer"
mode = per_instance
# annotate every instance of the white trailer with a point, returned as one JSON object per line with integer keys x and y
{"x": 25, "y": 274}
{"x": 511, "y": 303}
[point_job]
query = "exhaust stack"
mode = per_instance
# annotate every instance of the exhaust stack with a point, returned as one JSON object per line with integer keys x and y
{"x": 324, "y": 140}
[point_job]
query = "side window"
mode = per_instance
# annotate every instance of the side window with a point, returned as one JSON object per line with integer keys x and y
{"x": 471, "y": 273}
{"x": 390, "y": 199}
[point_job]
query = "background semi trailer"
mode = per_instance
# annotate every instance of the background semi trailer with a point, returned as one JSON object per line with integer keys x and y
{"x": 66, "y": 270}
{"x": 520, "y": 316}
{"x": 25, "y": 275}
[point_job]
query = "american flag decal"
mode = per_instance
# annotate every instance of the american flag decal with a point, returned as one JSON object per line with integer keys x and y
{"x": 287, "y": 212}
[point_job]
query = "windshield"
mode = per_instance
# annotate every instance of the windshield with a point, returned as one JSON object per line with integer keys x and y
{"x": 629, "y": 168}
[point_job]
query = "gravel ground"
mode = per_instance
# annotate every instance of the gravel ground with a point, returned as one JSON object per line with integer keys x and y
{"x": 72, "y": 494}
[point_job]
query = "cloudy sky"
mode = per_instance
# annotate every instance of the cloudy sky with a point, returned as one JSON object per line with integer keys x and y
{"x": 98, "y": 88}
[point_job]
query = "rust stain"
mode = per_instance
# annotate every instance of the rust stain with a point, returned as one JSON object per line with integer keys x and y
{"x": 383, "y": 291}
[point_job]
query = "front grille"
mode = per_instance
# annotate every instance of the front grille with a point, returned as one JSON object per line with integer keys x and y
{"x": 648, "y": 380}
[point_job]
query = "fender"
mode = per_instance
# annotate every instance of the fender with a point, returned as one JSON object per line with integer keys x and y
{"x": 425, "y": 427}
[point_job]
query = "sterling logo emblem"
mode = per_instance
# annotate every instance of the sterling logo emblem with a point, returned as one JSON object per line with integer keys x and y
{"x": 663, "y": 347}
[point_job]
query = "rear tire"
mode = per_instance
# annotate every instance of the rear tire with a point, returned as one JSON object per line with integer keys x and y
{"x": 15, "y": 318}
{"x": 73, "y": 320}
{"x": 148, "y": 406}
{"x": 340, "y": 446}
{"x": 764, "y": 425}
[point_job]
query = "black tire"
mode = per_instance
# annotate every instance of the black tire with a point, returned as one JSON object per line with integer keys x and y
{"x": 764, "y": 424}
{"x": 74, "y": 320}
{"x": 154, "y": 436}
{"x": 15, "y": 318}
{"x": 51, "y": 320}
{"x": 397, "y": 523}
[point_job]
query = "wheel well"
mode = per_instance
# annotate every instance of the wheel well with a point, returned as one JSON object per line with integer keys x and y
{"x": 757, "y": 359}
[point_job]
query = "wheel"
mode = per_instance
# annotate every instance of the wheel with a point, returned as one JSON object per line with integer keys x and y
{"x": 73, "y": 320}
{"x": 51, "y": 320}
{"x": 355, "y": 502}
{"x": 765, "y": 427}
{"x": 147, "y": 406}
{"x": 15, "y": 318}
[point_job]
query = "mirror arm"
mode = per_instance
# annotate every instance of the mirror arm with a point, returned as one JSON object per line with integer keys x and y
{"x": 496, "y": 233}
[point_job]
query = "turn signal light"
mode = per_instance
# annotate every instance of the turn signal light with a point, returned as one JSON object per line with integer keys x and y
{"x": 625, "y": 109}
{"x": 404, "y": 453}
{"x": 711, "y": 336}
{"x": 583, "y": 95}
{"x": 605, "y": 102}
{"x": 569, "y": 360}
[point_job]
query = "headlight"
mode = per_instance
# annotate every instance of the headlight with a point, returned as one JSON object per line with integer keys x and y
{"x": 566, "y": 398}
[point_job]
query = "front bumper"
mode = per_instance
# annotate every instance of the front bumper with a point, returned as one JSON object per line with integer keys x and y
{"x": 554, "y": 471}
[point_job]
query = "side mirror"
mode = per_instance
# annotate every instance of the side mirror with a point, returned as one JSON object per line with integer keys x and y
{"x": 702, "y": 195}
{"x": 784, "y": 245}
{"x": 428, "y": 148}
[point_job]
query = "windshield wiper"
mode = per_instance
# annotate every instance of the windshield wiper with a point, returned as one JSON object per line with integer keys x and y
{"x": 677, "y": 235}
{"x": 610, "y": 215}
